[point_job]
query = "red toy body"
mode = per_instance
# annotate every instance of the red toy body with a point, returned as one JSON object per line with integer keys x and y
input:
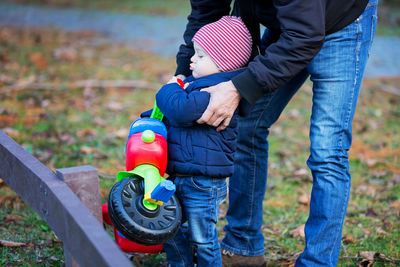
{"x": 139, "y": 152}
{"x": 146, "y": 163}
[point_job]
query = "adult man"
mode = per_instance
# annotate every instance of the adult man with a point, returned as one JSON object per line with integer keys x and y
{"x": 326, "y": 40}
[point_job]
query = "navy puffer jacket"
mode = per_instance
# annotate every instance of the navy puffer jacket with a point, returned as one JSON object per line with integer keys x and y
{"x": 196, "y": 149}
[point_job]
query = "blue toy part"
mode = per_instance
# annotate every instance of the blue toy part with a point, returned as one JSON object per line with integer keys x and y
{"x": 140, "y": 125}
{"x": 163, "y": 191}
{"x": 121, "y": 234}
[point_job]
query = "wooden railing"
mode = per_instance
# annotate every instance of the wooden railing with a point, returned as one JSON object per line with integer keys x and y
{"x": 86, "y": 243}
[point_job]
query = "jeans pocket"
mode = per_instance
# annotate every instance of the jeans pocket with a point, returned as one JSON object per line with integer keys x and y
{"x": 202, "y": 183}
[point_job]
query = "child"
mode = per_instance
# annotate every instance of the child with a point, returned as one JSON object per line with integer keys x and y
{"x": 199, "y": 157}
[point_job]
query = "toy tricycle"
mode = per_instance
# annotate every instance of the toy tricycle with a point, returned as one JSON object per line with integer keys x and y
{"x": 142, "y": 205}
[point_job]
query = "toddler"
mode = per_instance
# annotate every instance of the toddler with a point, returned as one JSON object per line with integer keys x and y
{"x": 199, "y": 157}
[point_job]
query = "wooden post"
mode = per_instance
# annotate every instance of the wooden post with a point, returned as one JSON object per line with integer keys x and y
{"x": 84, "y": 182}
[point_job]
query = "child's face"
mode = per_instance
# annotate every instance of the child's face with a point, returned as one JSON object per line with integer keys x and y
{"x": 202, "y": 64}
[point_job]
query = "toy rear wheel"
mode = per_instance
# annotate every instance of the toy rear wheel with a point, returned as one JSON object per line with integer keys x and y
{"x": 135, "y": 221}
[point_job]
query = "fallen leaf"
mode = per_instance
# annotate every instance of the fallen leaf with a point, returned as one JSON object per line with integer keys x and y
{"x": 13, "y": 133}
{"x": 53, "y": 258}
{"x": 380, "y": 174}
{"x": 89, "y": 92}
{"x": 273, "y": 202}
{"x": 371, "y": 162}
{"x": 67, "y": 138}
{"x": 267, "y": 230}
{"x": 299, "y": 231}
{"x": 294, "y": 114}
{"x": 367, "y": 258}
{"x": 13, "y": 217}
{"x": 6, "y": 243}
{"x": 304, "y": 199}
{"x": 395, "y": 179}
{"x": 366, "y": 232}
{"x": 5, "y": 198}
{"x": 89, "y": 150}
{"x": 38, "y": 60}
{"x": 222, "y": 211}
{"x": 301, "y": 172}
{"x": 6, "y": 120}
{"x": 395, "y": 205}
{"x": 104, "y": 192}
{"x": 371, "y": 212}
{"x": 122, "y": 133}
{"x": 66, "y": 53}
{"x": 380, "y": 231}
{"x": 348, "y": 240}
{"x": 114, "y": 106}
{"x": 100, "y": 122}
{"x": 98, "y": 154}
{"x": 366, "y": 189}
{"x": 86, "y": 132}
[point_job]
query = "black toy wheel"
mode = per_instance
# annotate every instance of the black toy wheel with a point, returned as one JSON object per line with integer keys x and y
{"x": 135, "y": 221}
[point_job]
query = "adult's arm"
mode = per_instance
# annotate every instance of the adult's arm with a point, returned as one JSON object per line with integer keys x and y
{"x": 303, "y": 33}
{"x": 203, "y": 12}
{"x": 302, "y": 36}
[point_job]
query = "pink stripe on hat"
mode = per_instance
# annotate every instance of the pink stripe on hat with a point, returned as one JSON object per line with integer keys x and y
{"x": 227, "y": 41}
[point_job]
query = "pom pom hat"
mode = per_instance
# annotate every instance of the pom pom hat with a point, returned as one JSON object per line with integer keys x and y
{"x": 227, "y": 41}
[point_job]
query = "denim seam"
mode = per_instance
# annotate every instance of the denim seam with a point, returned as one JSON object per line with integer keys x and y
{"x": 357, "y": 50}
{"x": 213, "y": 206}
{"x": 177, "y": 250}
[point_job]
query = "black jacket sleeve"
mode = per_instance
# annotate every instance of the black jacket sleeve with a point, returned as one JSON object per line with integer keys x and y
{"x": 203, "y": 12}
{"x": 302, "y": 25}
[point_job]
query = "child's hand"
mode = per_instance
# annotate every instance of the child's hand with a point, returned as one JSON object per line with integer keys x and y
{"x": 181, "y": 76}
{"x": 178, "y": 80}
{"x": 174, "y": 79}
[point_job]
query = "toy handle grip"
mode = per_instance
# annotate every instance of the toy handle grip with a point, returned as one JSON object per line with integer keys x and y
{"x": 156, "y": 113}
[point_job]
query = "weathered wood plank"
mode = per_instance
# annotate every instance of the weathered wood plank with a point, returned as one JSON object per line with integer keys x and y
{"x": 83, "y": 236}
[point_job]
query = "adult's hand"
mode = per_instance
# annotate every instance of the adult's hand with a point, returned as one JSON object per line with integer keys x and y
{"x": 224, "y": 99}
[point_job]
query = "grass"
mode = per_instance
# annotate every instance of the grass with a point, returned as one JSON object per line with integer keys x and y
{"x": 19, "y": 223}
{"x": 69, "y": 126}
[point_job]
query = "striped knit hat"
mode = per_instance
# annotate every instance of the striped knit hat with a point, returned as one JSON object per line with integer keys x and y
{"x": 227, "y": 41}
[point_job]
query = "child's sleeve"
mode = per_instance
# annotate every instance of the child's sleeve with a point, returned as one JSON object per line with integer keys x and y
{"x": 180, "y": 106}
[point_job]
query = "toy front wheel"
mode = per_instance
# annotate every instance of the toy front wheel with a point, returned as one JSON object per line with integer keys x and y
{"x": 135, "y": 221}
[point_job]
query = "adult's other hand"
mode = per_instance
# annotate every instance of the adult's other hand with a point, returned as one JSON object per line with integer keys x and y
{"x": 224, "y": 99}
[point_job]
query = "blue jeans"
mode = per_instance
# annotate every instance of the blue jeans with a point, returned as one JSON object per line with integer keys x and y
{"x": 197, "y": 239}
{"x": 336, "y": 73}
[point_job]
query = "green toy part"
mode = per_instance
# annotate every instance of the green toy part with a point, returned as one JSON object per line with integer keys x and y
{"x": 156, "y": 113}
{"x": 148, "y": 136}
{"x": 151, "y": 177}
